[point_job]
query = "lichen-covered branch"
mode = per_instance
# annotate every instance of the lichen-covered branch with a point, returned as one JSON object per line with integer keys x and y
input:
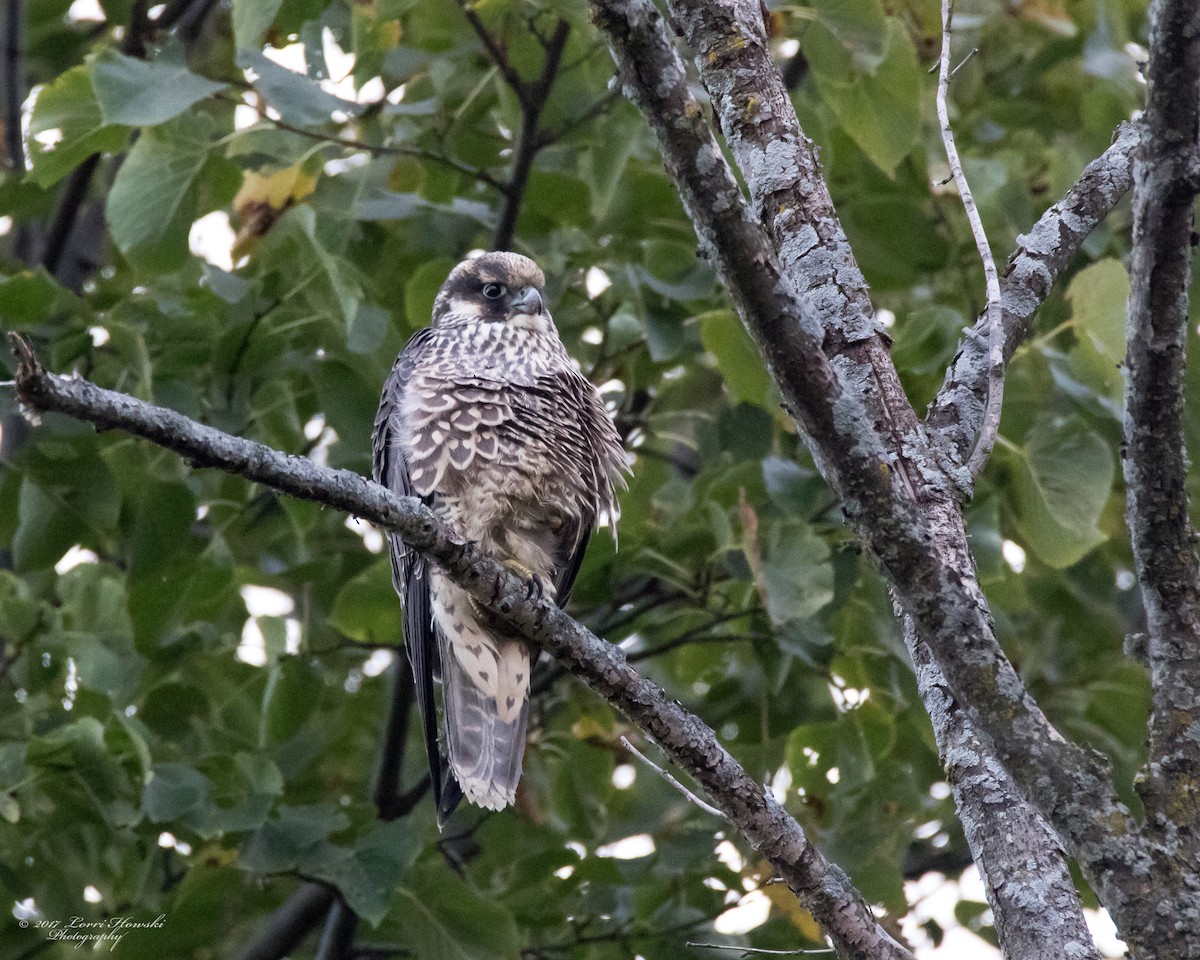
{"x": 791, "y": 200}
{"x": 1034, "y": 902}
{"x": 823, "y": 888}
{"x": 955, "y": 417}
{"x": 1156, "y": 462}
{"x": 909, "y": 522}
{"x": 995, "y": 306}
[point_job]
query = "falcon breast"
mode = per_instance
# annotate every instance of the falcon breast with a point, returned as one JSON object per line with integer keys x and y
{"x": 487, "y": 419}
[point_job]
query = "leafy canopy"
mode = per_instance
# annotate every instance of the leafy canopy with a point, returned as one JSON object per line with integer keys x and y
{"x": 183, "y": 742}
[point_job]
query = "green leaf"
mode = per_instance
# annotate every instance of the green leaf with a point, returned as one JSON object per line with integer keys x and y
{"x": 52, "y": 519}
{"x": 798, "y": 576}
{"x": 173, "y": 790}
{"x": 67, "y": 127}
{"x": 78, "y": 745}
{"x": 1097, "y": 295}
{"x": 367, "y": 609}
{"x": 737, "y": 357}
{"x": 282, "y": 841}
{"x": 149, "y": 200}
{"x": 881, "y": 109}
{"x": 859, "y": 25}
{"x": 251, "y": 19}
{"x": 423, "y": 285}
{"x": 145, "y": 93}
{"x": 1063, "y": 478}
{"x": 442, "y": 918}
{"x": 298, "y": 98}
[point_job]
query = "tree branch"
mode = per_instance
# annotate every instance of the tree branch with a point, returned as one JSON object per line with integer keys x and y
{"x": 1156, "y": 463}
{"x": 533, "y": 99}
{"x": 376, "y": 149}
{"x": 70, "y": 202}
{"x": 1013, "y": 848}
{"x": 995, "y": 306}
{"x": 14, "y": 86}
{"x": 287, "y": 927}
{"x": 909, "y": 517}
{"x": 390, "y": 801}
{"x": 791, "y": 200}
{"x": 338, "y": 937}
{"x": 955, "y": 417}
{"x": 497, "y": 53}
{"x": 823, "y": 889}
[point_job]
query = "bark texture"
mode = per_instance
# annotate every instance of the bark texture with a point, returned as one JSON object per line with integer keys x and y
{"x": 1036, "y": 908}
{"x": 1156, "y": 464}
{"x": 908, "y": 517}
{"x": 1042, "y": 255}
{"x": 790, "y": 199}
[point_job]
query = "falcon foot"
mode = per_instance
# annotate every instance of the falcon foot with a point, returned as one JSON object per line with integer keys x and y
{"x": 536, "y": 587}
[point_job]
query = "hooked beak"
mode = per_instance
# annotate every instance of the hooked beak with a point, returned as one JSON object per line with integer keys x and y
{"x": 527, "y": 301}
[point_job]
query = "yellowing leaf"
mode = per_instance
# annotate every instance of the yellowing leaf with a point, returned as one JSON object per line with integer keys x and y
{"x": 279, "y": 189}
{"x": 783, "y": 900}
{"x": 262, "y": 200}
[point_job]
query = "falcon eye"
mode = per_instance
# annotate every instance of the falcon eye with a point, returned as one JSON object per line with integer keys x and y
{"x": 493, "y": 291}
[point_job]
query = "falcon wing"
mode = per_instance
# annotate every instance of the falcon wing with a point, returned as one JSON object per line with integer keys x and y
{"x": 570, "y": 570}
{"x": 410, "y": 573}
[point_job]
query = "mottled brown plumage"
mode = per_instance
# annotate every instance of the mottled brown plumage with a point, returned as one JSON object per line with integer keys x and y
{"x": 487, "y": 419}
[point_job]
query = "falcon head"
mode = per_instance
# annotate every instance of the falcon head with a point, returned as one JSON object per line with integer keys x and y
{"x": 494, "y": 288}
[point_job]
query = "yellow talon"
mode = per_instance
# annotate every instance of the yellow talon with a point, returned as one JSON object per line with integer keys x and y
{"x": 517, "y": 567}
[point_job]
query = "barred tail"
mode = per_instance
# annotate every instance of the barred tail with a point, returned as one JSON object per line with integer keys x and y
{"x": 485, "y": 750}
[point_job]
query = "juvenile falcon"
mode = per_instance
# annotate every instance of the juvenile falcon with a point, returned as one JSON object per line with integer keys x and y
{"x": 486, "y": 419}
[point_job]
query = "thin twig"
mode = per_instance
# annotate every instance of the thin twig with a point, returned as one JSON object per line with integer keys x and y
{"x": 746, "y": 951}
{"x": 532, "y": 139}
{"x": 496, "y": 52}
{"x": 995, "y": 305}
{"x": 688, "y": 795}
{"x": 598, "y": 106}
{"x": 378, "y": 149}
{"x": 698, "y": 634}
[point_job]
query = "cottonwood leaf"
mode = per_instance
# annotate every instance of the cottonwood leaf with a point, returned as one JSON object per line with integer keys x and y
{"x": 251, "y": 19}
{"x": 67, "y": 127}
{"x": 798, "y": 577}
{"x": 149, "y": 198}
{"x": 145, "y": 93}
{"x": 737, "y": 357}
{"x": 442, "y": 918}
{"x": 1098, "y": 294}
{"x": 1063, "y": 477}
{"x": 298, "y": 98}
{"x": 879, "y": 108}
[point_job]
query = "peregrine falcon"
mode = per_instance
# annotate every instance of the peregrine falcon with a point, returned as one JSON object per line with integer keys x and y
{"x": 486, "y": 419}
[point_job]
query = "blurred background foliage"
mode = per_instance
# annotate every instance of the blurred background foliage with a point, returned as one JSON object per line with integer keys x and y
{"x": 242, "y": 210}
